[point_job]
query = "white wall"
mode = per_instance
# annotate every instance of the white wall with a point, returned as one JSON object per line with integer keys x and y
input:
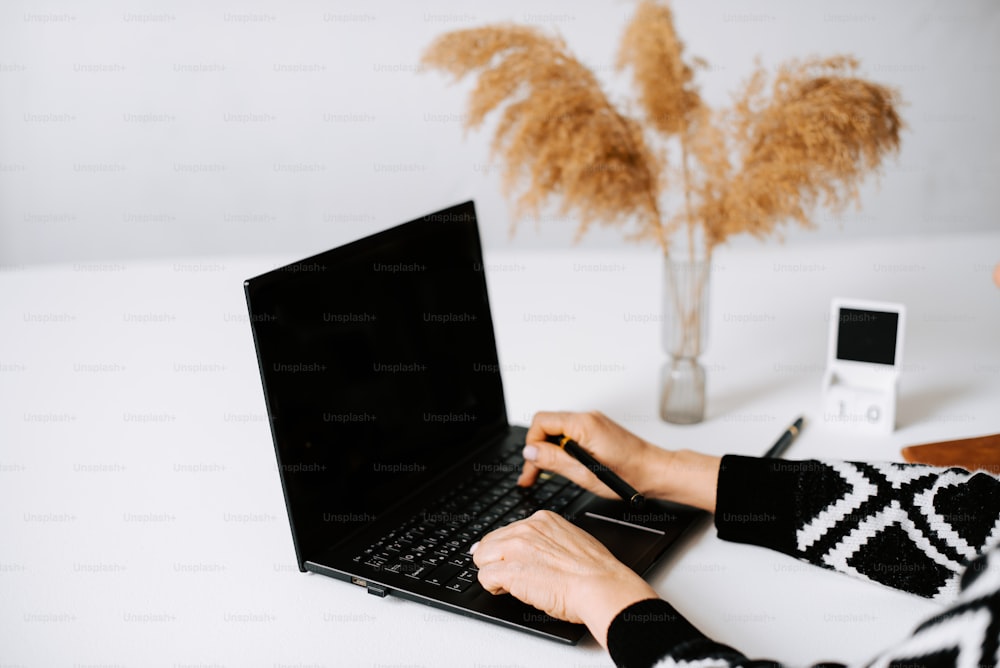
{"x": 144, "y": 129}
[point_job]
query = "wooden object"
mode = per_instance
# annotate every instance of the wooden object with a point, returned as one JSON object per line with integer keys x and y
{"x": 981, "y": 453}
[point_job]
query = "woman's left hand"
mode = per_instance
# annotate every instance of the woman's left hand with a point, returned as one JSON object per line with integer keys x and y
{"x": 555, "y": 566}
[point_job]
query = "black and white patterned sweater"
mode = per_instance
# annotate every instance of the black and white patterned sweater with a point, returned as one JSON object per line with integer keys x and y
{"x": 930, "y": 531}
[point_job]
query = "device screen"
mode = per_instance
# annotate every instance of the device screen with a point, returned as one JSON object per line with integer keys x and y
{"x": 867, "y": 336}
{"x": 380, "y": 368}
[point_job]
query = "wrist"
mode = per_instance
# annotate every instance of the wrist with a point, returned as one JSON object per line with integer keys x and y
{"x": 684, "y": 476}
{"x": 607, "y": 597}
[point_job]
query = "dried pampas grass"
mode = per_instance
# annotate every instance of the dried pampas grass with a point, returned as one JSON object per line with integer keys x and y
{"x": 650, "y": 47}
{"x": 804, "y": 137}
{"x": 810, "y": 140}
{"x": 558, "y": 131}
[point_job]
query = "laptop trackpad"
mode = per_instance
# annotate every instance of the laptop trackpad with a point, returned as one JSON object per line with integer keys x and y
{"x": 625, "y": 537}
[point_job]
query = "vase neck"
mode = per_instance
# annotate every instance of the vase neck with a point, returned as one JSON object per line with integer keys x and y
{"x": 685, "y": 308}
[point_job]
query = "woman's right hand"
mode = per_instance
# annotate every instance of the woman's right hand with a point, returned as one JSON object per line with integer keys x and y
{"x": 684, "y": 476}
{"x": 611, "y": 444}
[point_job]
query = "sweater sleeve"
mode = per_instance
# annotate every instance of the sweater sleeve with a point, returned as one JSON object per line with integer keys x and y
{"x": 907, "y": 526}
{"x": 652, "y": 633}
{"x": 929, "y": 531}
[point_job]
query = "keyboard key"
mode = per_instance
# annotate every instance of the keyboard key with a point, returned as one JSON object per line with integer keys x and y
{"x": 477, "y": 507}
{"x": 513, "y": 516}
{"x": 460, "y": 559}
{"x": 416, "y": 571}
{"x": 490, "y": 517}
{"x": 445, "y": 550}
{"x": 506, "y": 503}
{"x": 526, "y": 507}
{"x": 492, "y": 496}
{"x": 544, "y": 495}
{"x": 458, "y": 585}
{"x": 376, "y": 562}
{"x": 442, "y": 574}
{"x": 434, "y": 560}
{"x": 561, "y": 501}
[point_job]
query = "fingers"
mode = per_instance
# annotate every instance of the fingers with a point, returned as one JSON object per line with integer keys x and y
{"x": 549, "y": 457}
{"x": 540, "y": 455}
{"x": 509, "y": 548}
{"x": 529, "y": 474}
{"x": 507, "y": 540}
{"x": 500, "y": 543}
{"x": 493, "y": 556}
{"x": 492, "y": 577}
{"x": 554, "y": 423}
{"x": 542, "y": 424}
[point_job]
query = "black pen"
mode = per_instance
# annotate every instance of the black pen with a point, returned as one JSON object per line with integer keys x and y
{"x": 785, "y": 440}
{"x": 603, "y": 473}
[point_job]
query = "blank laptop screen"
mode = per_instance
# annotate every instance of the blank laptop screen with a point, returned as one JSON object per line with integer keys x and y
{"x": 380, "y": 368}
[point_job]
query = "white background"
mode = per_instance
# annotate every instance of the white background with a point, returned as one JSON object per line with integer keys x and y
{"x": 152, "y": 129}
{"x": 210, "y": 130}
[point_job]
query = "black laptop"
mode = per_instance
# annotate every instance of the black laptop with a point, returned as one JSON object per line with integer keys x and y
{"x": 386, "y": 407}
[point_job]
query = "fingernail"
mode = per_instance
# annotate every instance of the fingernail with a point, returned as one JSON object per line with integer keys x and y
{"x": 472, "y": 548}
{"x": 530, "y": 452}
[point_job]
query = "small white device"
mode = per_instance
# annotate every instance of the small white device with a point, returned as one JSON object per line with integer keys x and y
{"x": 863, "y": 364}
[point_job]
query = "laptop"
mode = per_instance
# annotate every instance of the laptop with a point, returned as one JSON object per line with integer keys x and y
{"x": 386, "y": 405}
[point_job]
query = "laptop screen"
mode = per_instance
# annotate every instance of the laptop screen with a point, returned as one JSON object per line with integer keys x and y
{"x": 379, "y": 367}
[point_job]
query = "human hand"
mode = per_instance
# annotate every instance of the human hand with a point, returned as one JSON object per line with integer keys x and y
{"x": 560, "y": 569}
{"x": 682, "y": 476}
{"x": 614, "y": 446}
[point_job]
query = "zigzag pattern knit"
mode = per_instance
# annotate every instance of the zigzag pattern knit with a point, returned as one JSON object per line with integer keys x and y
{"x": 932, "y": 532}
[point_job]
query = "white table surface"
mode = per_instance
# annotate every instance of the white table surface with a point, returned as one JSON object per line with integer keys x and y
{"x": 141, "y": 515}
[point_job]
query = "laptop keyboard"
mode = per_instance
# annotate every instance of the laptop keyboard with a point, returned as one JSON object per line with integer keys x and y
{"x": 433, "y": 545}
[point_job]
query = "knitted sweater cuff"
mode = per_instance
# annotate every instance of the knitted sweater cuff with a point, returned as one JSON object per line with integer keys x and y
{"x": 646, "y": 631}
{"x": 755, "y": 501}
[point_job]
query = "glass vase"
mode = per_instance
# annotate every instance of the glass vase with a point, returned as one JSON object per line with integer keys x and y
{"x": 685, "y": 326}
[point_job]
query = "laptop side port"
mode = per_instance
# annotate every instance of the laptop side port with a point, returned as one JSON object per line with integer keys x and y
{"x": 359, "y": 582}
